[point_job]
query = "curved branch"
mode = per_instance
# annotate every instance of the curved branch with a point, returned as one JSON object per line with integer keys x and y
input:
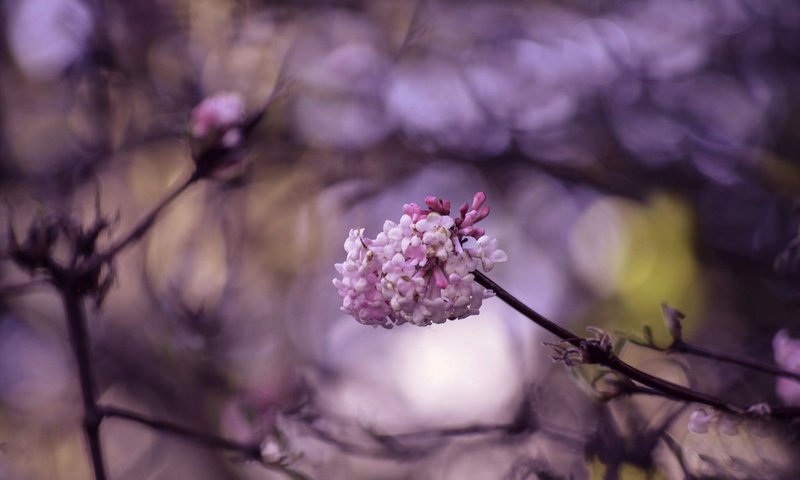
{"x": 142, "y": 227}
{"x": 250, "y": 451}
{"x": 666, "y": 388}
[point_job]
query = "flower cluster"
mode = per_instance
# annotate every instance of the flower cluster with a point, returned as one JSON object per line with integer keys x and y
{"x": 787, "y": 357}
{"x": 219, "y": 118}
{"x": 418, "y": 270}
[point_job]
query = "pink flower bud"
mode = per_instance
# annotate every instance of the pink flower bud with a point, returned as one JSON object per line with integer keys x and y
{"x": 478, "y": 200}
{"x": 438, "y": 205}
{"x": 699, "y": 421}
{"x": 218, "y": 115}
{"x": 787, "y": 357}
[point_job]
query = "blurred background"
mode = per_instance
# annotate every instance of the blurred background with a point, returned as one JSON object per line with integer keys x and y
{"x": 633, "y": 153}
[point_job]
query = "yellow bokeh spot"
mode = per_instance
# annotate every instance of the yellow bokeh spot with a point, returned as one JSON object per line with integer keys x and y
{"x": 597, "y": 471}
{"x": 636, "y": 256}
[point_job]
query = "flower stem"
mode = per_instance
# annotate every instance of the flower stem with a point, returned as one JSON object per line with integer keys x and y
{"x": 532, "y": 314}
{"x": 658, "y": 385}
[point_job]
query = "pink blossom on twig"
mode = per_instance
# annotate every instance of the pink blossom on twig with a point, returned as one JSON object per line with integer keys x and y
{"x": 219, "y": 116}
{"x": 418, "y": 270}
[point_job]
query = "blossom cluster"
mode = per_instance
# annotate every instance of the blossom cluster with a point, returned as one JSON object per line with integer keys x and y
{"x": 418, "y": 270}
{"x": 219, "y": 116}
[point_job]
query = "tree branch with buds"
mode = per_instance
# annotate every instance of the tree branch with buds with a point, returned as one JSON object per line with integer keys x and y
{"x": 218, "y": 130}
{"x": 408, "y": 273}
{"x": 673, "y": 317}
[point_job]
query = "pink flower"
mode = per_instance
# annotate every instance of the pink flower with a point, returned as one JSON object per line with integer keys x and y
{"x": 418, "y": 270}
{"x": 219, "y": 116}
{"x": 787, "y": 357}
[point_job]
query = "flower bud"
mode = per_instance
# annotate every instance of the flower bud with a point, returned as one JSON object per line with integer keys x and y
{"x": 672, "y": 318}
{"x": 787, "y": 356}
{"x": 699, "y": 421}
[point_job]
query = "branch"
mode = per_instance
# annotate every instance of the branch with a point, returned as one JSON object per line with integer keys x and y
{"x": 455, "y": 431}
{"x": 396, "y": 445}
{"x": 250, "y": 451}
{"x": 533, "y": 315}
{"x": 681, "y": 346}
{"x": 666, "y": 388}
{"x": 142, "y": 227}
{"x": 76, "y": 324}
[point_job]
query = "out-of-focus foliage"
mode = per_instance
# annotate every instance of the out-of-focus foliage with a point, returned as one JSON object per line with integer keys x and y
{"x": 633, "y": 153}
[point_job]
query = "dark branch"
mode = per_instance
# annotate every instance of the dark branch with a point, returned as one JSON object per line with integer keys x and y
{"x": 667, "y": 389}
{"x": 76, "y": 324}
{"x": 142, "y": 227}
{"x": 697, "y": 351}
{"x": 250, "y": 451}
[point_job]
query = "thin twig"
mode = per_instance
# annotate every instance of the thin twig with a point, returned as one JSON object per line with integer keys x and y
{"x": 360, "y": 450}
{"x": 250, "y": 451}
{"x": 668, "y": 389}
{"x": 697, "y": 351}
{"x": 454, "y": 431}
{"x": 142, "y": 227}
{"x": 397, "y": 445}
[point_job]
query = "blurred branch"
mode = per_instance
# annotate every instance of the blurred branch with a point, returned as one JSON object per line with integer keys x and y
{"x": 687, "y": 348}
{"x": 420, "y": 443}
{"x": 397, "y": 445}
{"x": 595, "y": 353}
{"x": 77, "y": 280}
{"x": 76, "y": 325}
{"x": 143, "y": 226}
{"x": 250, "y": 451}
{"x": 22, "y": 288}
{"x": 356, "y": 449}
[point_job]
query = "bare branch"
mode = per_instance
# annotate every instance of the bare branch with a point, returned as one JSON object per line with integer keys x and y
{"x": 664, "y": 387}
{"x": 250, "y": 451}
